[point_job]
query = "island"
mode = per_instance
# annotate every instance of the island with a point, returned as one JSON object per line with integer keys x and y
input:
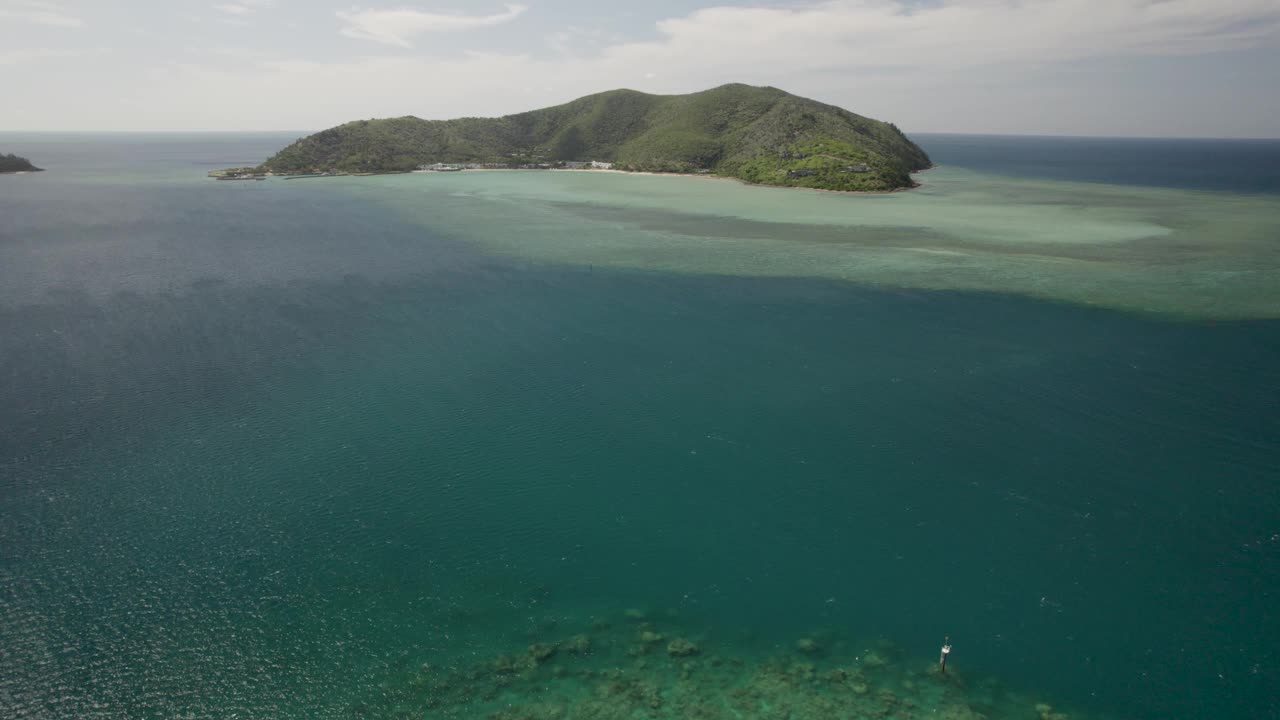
{"x": 760, "y": 135}
{"x": 15, "y": 164}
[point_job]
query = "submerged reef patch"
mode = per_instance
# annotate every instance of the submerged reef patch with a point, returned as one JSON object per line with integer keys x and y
{"x": 608, "y": 674}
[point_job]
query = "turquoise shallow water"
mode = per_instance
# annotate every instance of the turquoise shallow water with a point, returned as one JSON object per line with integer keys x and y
{"x": 333, "y": 450}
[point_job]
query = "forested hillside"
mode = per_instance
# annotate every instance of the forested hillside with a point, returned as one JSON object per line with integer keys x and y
{"x": 13, "y": 163}
{"x": 758, "y": 134}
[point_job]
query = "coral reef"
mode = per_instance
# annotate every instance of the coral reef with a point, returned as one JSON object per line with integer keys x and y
{"x": 621, "y": 674}
{"x": 681, "y": 648}
{"x": 1046, "y": 712}
{"x": 541, "y": 652}
{"x": 578, "y": 645}
{"x": 808, "y": 646}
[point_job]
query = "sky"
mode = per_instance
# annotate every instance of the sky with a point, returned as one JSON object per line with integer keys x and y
{"x": 1133, "y": 68}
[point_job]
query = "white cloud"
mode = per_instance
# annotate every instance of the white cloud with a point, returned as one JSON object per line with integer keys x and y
{"x": 398, "y": 27}
{"x": 21, "y": 57}
{"x": 577, "y": 40}
{"x": 237, "y": 14}
{"x": 855, "y": 34}
{"x": 40, "y": 13}
{"x": 884, "y": 58}
{"x": 243, "y": 7}
{"x": 966, "y": 65}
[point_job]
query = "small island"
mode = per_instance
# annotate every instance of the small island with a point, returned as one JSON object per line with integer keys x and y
{"x": 759, "y": 135}
{"x": 15, "y": 164}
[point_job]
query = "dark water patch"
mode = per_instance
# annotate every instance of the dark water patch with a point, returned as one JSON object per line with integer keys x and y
{"x": 1244, "y": 166}
{"x": 103, "y": 239}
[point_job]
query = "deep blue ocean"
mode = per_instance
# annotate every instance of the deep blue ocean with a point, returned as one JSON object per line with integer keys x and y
{"x": 278, "y": 451}
{"x": 1242, "y": 166}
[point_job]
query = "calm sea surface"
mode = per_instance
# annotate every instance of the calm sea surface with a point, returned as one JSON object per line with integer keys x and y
{"x": 348, "y": 448}
{"x": 1246, "y": 166}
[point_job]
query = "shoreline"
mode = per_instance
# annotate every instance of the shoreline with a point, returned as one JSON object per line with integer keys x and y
{"x": 702, "y": 176}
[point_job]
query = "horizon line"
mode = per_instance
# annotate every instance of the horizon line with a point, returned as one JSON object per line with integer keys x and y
{"x": 1062, "y": 136}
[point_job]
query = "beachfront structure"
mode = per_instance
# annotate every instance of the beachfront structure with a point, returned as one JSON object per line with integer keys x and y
{"x": 585, "y": 164}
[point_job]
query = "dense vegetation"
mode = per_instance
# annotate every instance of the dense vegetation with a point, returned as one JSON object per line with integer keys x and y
{"x": 13, "y": 163}
{"x": 758, "y": 134}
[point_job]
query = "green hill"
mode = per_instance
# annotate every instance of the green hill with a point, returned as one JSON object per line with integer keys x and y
{"x": 13, "y": 163}
{"x": 757, "y": 134}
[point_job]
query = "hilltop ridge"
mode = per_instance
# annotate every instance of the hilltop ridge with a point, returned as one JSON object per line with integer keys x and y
{"x": 757, "y": 134}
